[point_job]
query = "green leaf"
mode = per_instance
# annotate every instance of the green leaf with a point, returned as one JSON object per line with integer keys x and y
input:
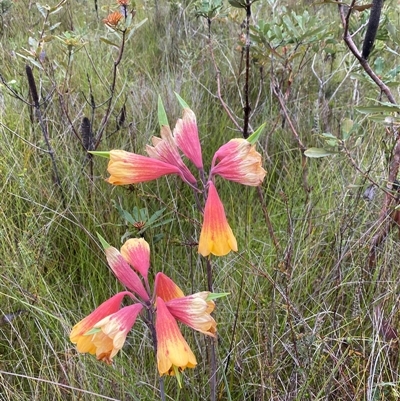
{"x": 216, "y": 295}
{"x": 237, "y": 4}
{"x": 378, "y": 109}
{"x": 105, "y": 40}
{"x": 347, "y": 126}
{"x": 178, "y": 375}
{"x": 253, "y": 138}
{"x": 104, "y": 243}
{"x": 101, "y": 154}
{"x": 183, "y": 104}
{"x": 318, "y": 152}
{"x": 162, "y": 115}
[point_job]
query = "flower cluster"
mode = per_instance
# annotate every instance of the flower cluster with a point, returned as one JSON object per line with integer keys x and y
{"x": 236, "y": 161}
{"x": 104, "y": 331}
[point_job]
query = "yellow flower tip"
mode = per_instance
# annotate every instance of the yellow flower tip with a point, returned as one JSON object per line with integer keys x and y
{"x": 173, "y": 352}
{"x": 216, "y": 236}
{"x": 84, "y": 343}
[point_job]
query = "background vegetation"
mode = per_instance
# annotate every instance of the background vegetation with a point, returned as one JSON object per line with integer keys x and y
{"x": 311, "y": 315}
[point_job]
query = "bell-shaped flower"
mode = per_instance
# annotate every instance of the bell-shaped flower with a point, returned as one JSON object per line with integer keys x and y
{"x": 136, "y": 251}
{"x": 173, "y": 352}
{"x": 124, "y": 273}
{"x": 165, "y": 150}
{"x": 194, "y": 311}
{"x": 166, "y": 289}
{"x": 110, "y": 333}
{"x": 186, "y": 136}
{"x": 238, "y": 161}
{"x": 129, "y": 168}
{"x": 78, "y": 335}
{"x": 216, "y": 236}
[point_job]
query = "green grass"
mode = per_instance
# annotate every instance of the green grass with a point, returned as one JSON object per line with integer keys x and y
{"x": 299, "y": 321}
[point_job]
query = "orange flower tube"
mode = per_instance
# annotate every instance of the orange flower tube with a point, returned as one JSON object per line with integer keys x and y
{"x": 113, "y": 331}
{"x": 194, "y": 311}
{"x": 166, "y": 289}
{"x": 216, "y": 236}
{"x": 173, "y": 352}
{"x": 165, "y": 150}
{"x": 238, "y": 161}
{"x": 129, "y": 168}
{"x": 84, "y": 342}
{"x": 186, "y": 136}
{"x": 136, "y": 251}
{"x": 124, "y": 273}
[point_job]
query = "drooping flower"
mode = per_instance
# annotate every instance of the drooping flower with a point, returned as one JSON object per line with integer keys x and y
{"x": 194, "y": 311}
{"x": 129, "y": 168}
{"x": 173, "y": 352}
{"x": 216, "y": 236}
{"x": 124, "y": 273}
{"x": 112, "y": 332}
{"x": 136, "y": 252}
{"x": 83, "y": 342}
{"x": 238, "y": 161}
{"x": 165, "y": 149}
{"x": 165, "y": 288}
{"x": 186, "y": 136}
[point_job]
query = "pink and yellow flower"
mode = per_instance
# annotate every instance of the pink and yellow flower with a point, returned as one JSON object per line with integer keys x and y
{"x": 238, "y": 161}
{"x": 192, "y": 310}
{"x": 186, "y": 136}
{"x": 136, "y": 252}
{"x": 173, "y": 352}
{"x": 166, "y": 289}
{"x": 216, "y": 236}
{"x": 129, "y": 168}
{"x": 125, "y": 273}
{"x": 112, "y": 332}
{"x": 83, "y": 342}
{"x": 165, "y": 150}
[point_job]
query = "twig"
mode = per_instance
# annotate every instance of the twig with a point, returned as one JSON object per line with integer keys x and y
{"x": 112, "y": 90}
{"x": 383, "y": 220}
{"x": 43, "y": 127}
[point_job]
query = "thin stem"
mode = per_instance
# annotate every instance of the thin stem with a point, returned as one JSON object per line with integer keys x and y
{"x": 43, "y": 127}
{"x": 247, "y": 108}
{"x": 112, "y": 90}
{"x": 150, "y": 324}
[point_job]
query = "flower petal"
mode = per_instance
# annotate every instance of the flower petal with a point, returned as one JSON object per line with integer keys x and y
{"x": 136, "y": 251}
{"x": 129, "y": 168}
{"x": 172, "y": 348}
{"x": 186, "y": 136}
{"x": 216, "y": 236}
{"x": 125, "y": 273}
{"x": 194, "y": 311}
{"x": 78, "y": 337}
{"x": 114, "y": 329}
{"x": 165, "y": 149}
{"x": 239, "y": 161}
{"x": 166, "y": 289}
